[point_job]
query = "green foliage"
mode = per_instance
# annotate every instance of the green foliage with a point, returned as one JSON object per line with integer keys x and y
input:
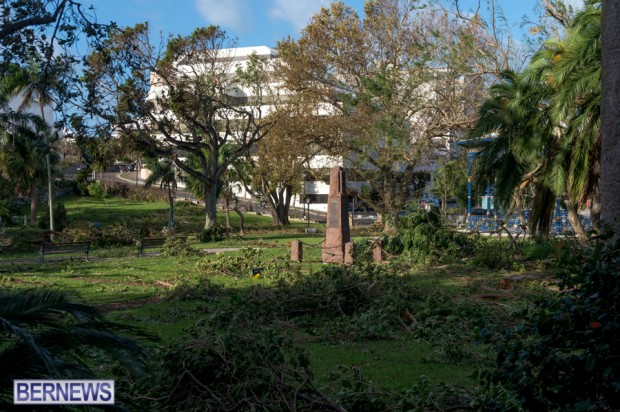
{"x": 450, "y": 324}
{"x": 47, "y": 334}
{"x": 563, "y": 356}
{"x": 215, "y": 233}
{"x": 358, "y": 393}
{"x": 425, "y": 240}
{"x": 117, "y": 234}
{"x": 177, "y": 246}
{"x": 493, "y": 253}
{"x": 5, "y": 210}
{"x": 233, "y": 369}
{"x": 95, "y": 189}
{"x": 242, "y": 265}
{"x": 60, "y": 218}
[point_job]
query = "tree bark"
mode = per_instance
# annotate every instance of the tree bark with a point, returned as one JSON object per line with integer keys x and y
{"x": 34, "y": 194}
{"x": 279, "y": 203}
{"x": 241, "y": 222}
{"x": 210, "y": 207}
{"x": 390, "y": 223}
{"x": 573, "y": 218}
{"x": 170, "y": 211}
{"x": 610, "y": 116}
{"x": 50, "y": 182}
{"x": 227, "y": 200}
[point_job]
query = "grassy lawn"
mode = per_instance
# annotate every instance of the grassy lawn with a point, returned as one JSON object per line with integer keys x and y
{"x": 159, "y": 294}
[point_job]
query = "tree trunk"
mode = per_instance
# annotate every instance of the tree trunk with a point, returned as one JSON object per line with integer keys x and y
{"x": 241, "y": 222}
{"x": 34, "y": 194}
{"x": 279, "y": 203}
{"x": 610, "y": 117}
{"x": 50, "y": 182}
{"x": 573, "y": 218}
{"x": 170, "y": 211}
{"x": 227, "y": 200}
{"x": 390, "y": 223}
{"x": 210, "y": 207}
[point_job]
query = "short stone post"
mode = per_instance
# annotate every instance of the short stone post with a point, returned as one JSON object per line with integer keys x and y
{"x": 297, "y": 254}
{"x": 377, "y": 251}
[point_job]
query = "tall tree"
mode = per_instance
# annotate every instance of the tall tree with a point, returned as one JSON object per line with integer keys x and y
{"x": 185, "y": 103}
{"x": 397, "y": 81}
{"x": 22, "y": 156}
{"x": 450, "y": 181}
{"x": 547, "y": 123}
{"x": 610, "y": 125}
{"x": 33, "y": 86}
{"x": 276, "y": 168}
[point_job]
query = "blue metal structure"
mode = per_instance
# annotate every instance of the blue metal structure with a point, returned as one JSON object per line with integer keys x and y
{"x": 473, "y": 147}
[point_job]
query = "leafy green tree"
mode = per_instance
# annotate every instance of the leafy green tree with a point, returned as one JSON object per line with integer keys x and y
{"x": 33, "y": 85}
{"x": 392, "y": 83}
{"x": 275, "y": 171}
{"x": 29, "y": 27}
{"x": 513, "y": 115}
{"x": 451, "y": 182}
{"x": 193, "y": 110}
{"x": 547, "y": 126}
{"x": 22, "y": 152}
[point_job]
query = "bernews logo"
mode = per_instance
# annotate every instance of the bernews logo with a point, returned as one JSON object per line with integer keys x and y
{"x": 63, "y": 392}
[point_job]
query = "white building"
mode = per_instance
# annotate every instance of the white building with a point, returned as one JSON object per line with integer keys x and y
{"x": 314, "y": 193}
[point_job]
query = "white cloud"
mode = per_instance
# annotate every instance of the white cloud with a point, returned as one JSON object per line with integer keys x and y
{"x": 296, "y": 12}
{"x": 227, "y": 13}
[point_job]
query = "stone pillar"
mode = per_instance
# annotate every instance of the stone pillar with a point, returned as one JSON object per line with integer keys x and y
{"x": 377, "y": 251}
{"x": 296, "y": 251}
{"x": 337, "y": 231}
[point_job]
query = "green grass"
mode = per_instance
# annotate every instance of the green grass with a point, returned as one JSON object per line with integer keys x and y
{"x": 141, "y": 291}
{"x": 393, "y": 363}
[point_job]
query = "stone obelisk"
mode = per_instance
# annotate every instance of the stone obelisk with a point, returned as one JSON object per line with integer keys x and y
{"x": 337, "y": 232}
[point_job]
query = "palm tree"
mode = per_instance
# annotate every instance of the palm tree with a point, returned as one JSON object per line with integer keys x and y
{"x": 45, "y": 334}
{"x": 573, "y": 68}
{"x": 516, "y": 159}
{"x": 163, "y": 171}
{"x": 33, "y": 86}
{"x": 22, "y": 151}
{"x": 548, "y": 125}
{"x": 610, "y": 125}
{"x": 21, "y": 161}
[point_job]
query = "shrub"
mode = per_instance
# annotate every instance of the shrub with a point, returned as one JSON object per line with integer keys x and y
{"x": 233, "y": 369}
{"x": 95, "y": 189}
{"x": 213, "y": 234}
{"x": 563, "y": 356}
{"x": 60, "y": 218}
{"x": 177, "y": 246}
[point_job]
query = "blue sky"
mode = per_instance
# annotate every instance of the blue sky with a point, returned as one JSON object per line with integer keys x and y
{"x": 252, "y": 22}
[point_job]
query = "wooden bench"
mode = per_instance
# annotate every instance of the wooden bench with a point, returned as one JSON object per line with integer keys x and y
{"x": 64, "y": 248}
{"x": 154, "y": 243}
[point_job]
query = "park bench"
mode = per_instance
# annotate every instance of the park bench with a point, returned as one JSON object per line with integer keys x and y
{"x": 152, "y": 243}
{"x": 63, "y": 248}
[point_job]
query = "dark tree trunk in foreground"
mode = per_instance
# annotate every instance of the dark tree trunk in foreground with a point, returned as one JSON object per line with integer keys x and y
{"x": 610, "y": 117}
